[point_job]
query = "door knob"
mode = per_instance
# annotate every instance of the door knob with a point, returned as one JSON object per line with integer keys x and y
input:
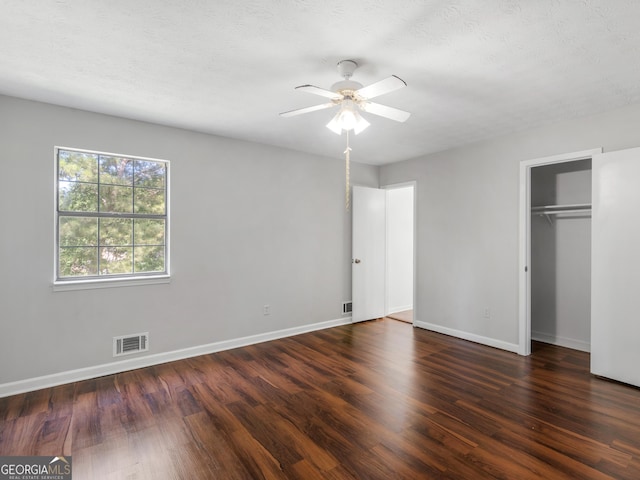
{"x": 357, "y": 260}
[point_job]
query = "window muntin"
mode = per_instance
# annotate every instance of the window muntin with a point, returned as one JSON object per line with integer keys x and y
{"x": 112, "y": 216}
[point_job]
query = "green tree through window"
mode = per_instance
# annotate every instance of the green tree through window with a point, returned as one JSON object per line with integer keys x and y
{"x": 111, "y": 215}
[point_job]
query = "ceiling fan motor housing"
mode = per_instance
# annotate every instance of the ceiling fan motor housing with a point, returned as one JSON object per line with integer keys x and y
{"x": 346, "y": 86}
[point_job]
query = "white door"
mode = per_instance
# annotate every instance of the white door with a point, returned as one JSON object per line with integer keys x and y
{"x": 368, "y": 253}
{"x": 615, "y": 266}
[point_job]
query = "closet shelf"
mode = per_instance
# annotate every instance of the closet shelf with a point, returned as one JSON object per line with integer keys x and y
{"x": 547, "y": 210}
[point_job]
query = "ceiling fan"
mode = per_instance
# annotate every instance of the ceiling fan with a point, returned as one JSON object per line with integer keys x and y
{"x": 353, "y": 97}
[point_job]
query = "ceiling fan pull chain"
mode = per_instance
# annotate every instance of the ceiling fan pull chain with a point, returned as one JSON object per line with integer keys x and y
{"x": 347, "y": 181}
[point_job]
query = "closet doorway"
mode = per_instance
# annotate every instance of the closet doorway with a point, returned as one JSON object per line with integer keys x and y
{"x": 555, "y": 251}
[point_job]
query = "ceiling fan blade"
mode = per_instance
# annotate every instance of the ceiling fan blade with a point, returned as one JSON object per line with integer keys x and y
{"x": 383, "y": 86}
{"x": 300, "y": 111}
{"x": 384, "y": 111}
{"x": 320, "y": 91}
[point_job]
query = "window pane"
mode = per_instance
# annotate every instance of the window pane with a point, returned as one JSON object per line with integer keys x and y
{"x": 99, "y": 198}
{"x": 115, "y": 260}
{"x": 149, "y": 174}
{"x": 116, "y": 231}
{"x": 116, "y": 199}
{"x": 149, "y": 232}
{"x": 77, "y": 197}
{"x": 149, "y": 200}
{"x": 78, "y": 231}
{"x": 78, "y": 261}
{"x": 116, "y": 170}
{"x": 149, "y": 259}
{"x": 77, "y": 166}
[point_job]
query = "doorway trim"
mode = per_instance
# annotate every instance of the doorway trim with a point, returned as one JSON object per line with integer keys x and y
{"x": 414, "y": 185}
{"x": 524, "y": 239}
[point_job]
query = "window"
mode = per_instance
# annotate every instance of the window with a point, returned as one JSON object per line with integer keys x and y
{"x": 111, "y": 216}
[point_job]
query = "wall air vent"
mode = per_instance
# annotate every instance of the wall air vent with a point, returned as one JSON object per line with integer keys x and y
{"x": 128, "y": 344}
{"x": 346, "y": 308}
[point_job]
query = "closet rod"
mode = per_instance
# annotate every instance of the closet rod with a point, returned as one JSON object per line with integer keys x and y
{"x": 556, "y": 209}
{"x": 547, "y": 210}
{"x": 558, "y": 212}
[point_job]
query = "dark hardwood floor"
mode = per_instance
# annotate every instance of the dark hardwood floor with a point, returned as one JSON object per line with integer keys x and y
{"x": 376, "y": 400}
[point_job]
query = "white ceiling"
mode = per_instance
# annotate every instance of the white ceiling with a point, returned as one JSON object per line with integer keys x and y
{"x": 474, "y": 69}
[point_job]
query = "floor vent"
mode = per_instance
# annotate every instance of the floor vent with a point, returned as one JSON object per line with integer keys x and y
{"x": 129, "y": 344}
{"x": 346, "y": 308}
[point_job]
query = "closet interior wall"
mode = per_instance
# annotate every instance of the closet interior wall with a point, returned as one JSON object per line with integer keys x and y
{"x": 561, "y": 256}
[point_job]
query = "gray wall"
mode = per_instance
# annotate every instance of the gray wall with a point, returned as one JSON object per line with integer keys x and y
{"x": 250, "y": 225}
{"x": 467, "y": 221}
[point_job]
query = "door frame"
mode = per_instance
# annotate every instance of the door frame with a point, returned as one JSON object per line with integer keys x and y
{"x": 393, "y": 186}
{"x": 524, "y": 241}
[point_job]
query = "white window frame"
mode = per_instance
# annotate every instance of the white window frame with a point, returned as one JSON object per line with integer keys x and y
{"x": 80, "y": 283}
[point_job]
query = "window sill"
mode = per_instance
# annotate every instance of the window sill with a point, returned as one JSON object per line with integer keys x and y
{"x": 109, "y": 283}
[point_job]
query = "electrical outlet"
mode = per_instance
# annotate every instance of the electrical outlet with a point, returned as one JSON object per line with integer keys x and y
{"x": 266, "y": 310}
{"x": 486, "y": 313}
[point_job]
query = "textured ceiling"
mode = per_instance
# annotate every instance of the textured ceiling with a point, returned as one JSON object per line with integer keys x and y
{"x": 474, "y": 69}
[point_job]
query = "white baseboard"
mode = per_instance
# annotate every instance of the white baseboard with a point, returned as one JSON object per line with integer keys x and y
{"x": 403, "y": 308}
{"x": 491, "y": 342}
{"x": 46, "y": 381}
{"x": 561, "y": 341}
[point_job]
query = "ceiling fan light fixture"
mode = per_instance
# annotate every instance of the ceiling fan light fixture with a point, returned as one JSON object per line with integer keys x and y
{"x": 361, "y": 124}
{"x": 348, "y": 118}
{"x": 334, "y": 125}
